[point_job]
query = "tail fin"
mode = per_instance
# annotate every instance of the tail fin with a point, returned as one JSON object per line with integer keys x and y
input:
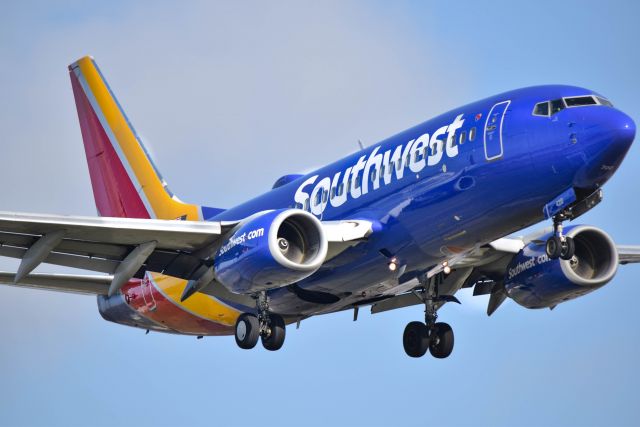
{"x": 125, "y": 181}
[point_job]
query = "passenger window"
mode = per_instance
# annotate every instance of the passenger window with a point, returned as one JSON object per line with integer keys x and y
{"x": 463, "y": 137}
{"x": 325, "y": 195}
{"x": 542, "y": 109}
{"x": 340, "y": 188}
{"x": 372, "y": 175}
{"x": 557, "y": 105}
{"x": 333, "y": 192}
{"x": 472, "y": 134}
{"x": 399, "y": 164}
{"x": 319, "y": 197}
{"x": 306, "y": 205}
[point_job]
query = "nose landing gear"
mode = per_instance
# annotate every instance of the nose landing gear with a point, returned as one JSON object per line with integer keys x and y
{"x": 269, "y": 327}
{"x": 436, "y": 337}
{"x": 568, "y": 206}
{"x": 558, "y": 245}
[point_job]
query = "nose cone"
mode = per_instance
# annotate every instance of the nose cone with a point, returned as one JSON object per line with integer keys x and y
{"x": 608, "y": 135}
{"x": 622, "y": 130}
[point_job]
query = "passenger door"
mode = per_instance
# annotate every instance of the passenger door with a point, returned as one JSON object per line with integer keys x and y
{"x": 493, "y": 149}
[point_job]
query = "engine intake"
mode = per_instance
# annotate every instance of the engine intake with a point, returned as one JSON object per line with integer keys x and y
{"x": 272, "y": 250}
{"x": 535, "y": 281}
{"x": 596, "y": 257}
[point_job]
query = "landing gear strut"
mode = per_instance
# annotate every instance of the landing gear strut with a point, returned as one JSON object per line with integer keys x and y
{"x": 269, "y": 327}
{"x": 558, "y": 245}
{"x": 436, "y": 337}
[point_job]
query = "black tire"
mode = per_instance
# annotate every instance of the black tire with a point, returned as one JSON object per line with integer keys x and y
{"x": 415, "y": 339}
{"x": 441, "y": 344}
{"x": 568, "y": 249}
{"x": 247, "y": 331}
{"x": 554, "y": 247}
{"x": 278, "y": 330}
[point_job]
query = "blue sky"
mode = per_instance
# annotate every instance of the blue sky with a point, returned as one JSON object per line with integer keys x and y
{"x": 280, "y": 88}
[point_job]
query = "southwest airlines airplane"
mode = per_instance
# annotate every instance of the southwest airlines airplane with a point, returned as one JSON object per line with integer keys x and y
{"x": 408, "y": 221}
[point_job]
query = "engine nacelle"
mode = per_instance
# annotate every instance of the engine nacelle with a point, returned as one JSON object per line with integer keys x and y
{"x": 272, "y": 250}
{"x": 535, "y": 281}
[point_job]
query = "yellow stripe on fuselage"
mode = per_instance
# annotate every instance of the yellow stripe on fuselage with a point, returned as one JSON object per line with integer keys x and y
{"x": 164, "y": 207}
{"x": 199, "y": 304}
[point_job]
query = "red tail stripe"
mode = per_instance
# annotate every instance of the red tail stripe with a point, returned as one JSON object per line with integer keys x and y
{"x": 115, "y": 194}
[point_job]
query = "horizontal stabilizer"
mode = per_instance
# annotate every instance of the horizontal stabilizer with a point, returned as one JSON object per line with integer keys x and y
{"x": 74, "y": 283}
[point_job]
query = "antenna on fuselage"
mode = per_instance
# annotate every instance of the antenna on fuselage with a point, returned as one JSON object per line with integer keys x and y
{"x": 360, "y": 144}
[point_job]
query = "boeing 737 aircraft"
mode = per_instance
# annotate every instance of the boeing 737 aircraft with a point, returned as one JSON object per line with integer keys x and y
{"x": 408, "y": 221}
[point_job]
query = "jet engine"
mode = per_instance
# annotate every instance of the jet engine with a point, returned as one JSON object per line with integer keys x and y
{"x": 271, "y": 250}
{"x": 535, "y": 281}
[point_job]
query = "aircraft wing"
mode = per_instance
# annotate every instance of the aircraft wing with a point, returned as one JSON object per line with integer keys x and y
{"x": 483, "y": 269}
{"x": 118, "y": 246}
{"x": 628, "y": 254}
{"x": 124, "y": 248}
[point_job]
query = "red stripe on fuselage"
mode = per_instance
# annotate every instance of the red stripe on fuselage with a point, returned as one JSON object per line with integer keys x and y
{"x": 144, "y": 297}
{"x": 114, "y": 193}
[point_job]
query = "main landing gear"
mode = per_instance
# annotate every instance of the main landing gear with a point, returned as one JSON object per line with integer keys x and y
{"x": 436, "y": 337}
{"x": 269, "y": 327}
{"x": 558, "y": 245}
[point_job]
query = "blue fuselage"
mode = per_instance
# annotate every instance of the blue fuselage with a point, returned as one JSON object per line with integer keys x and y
{"x": 462, "y": 179}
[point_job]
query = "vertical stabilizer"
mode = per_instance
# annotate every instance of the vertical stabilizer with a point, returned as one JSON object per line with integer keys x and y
{"x": 125, "y": 181}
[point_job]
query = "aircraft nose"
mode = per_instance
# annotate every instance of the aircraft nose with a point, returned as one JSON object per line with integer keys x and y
{"x": 621, "y": 129}
{"x": 608, "y": 135}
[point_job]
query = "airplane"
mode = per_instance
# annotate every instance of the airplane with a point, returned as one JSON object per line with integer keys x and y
{"x": 408, "y": 221}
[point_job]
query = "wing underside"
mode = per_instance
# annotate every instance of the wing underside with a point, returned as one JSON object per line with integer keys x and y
{"x": 484, "y": 269}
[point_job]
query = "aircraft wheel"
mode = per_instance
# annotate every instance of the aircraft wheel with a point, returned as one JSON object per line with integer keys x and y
{"x": 415, "y": 339}
{"x": 441, "y": 343}
{"x": 247, "y": 331}
{"x": 554, "y": 247}
{"x": 276, "y": 336}
{"x": 568, "y": 249}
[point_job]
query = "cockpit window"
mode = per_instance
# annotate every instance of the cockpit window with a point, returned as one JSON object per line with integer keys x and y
{"x": 604, "y": 101}
{"x": 541, "y": 109}
{"x": 557, "y": 105}
{"x": 579, "y": 101}
{"x": 549, "y": 108}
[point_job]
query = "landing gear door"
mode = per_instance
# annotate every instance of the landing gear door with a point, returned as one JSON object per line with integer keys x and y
{"x": 493, "y": 148}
